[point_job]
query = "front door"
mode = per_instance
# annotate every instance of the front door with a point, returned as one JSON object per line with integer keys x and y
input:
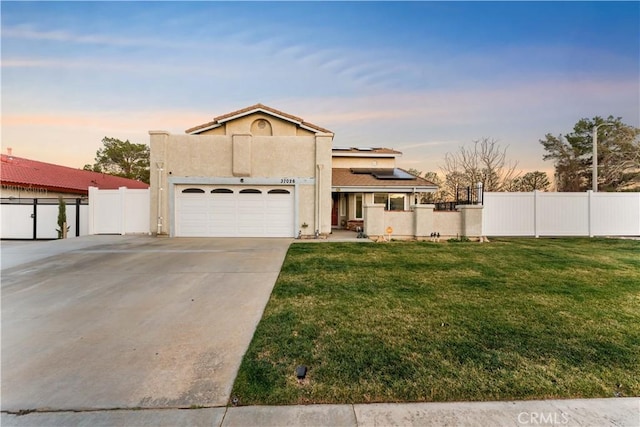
{"x": 334, "y": 209}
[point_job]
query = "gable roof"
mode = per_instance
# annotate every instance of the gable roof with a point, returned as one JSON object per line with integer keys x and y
{"x": 257, "y": 108}
{"x": 372, "y": 179}
{"x": 26, "y": 173}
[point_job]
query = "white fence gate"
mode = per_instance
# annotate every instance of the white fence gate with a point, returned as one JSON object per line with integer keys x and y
{"x": 121, "y": 211}
{"x": 37, "y": 218}
{"x": 561, "y": 214}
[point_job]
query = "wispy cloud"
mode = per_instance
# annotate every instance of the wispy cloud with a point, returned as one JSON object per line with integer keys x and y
{"x": 27, "y": 32}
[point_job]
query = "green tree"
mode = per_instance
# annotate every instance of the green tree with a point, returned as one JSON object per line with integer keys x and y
{"x": 531, "y": 181}
{"x": 122, "y": 158}
{"x": 618, "y": 156}
{"x": 62, "y": 219}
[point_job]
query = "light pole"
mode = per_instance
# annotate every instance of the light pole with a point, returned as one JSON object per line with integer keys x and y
{"x": 594, "y": 178}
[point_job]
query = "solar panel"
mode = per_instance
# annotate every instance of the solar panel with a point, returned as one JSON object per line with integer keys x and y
{"x": 394, "y": 174}
{"x": 381, "y": 173}
{"x": 372, "y": 171}
{"x": 402, "y": 174}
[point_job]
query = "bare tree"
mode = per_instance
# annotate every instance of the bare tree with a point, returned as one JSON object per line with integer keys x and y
{"x": 434, "y": 196}
{"x": 485, "y": 161}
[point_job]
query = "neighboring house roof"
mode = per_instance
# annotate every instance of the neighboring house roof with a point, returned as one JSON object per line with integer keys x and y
{"x": 364, "y": 152}
{"x": 26, "y": 173}
{"x": 257, "y": 108}
{"x": 377, "y": 179}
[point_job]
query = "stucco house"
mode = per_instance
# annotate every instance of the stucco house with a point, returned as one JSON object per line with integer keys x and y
{"x": 261, "y": 172}
{"x": 369, "y": 176}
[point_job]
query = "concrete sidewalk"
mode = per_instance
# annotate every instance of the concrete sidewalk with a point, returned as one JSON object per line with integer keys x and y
{"x": 619, "y": 412}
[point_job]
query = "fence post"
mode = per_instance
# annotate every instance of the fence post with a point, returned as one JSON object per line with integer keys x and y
{"x": 78, "y": 217}
{"x": 536, "y": 226}
{"x": 34, "y": 215}
{"x": 123, "y": 210}
{"x": 423, "y": 220}
{"x": 92, "y": 210}
{"x": 590, "y": 212}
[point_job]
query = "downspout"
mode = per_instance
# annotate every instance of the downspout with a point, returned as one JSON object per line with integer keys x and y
{"x": 159, "y": 166}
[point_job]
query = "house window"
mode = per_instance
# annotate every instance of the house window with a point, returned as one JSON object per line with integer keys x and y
{"x": 396, "y": 202}
{"x": 381, "y": 199}
{"x": 358, "y": 206}
{"x": 391, "y": 202}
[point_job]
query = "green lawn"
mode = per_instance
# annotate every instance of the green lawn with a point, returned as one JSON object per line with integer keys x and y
{"x": 422, "y": 321}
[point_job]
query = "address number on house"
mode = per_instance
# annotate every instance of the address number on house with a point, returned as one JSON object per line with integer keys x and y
{"x": 287, "y": 181}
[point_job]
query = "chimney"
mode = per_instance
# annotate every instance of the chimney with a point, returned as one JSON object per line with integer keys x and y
{"x": 9, "y": 151}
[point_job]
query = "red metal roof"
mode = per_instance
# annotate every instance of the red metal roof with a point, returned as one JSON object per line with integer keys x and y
{"x": 27, "y": 173}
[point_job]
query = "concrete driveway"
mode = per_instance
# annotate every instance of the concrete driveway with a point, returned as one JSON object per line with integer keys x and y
{"x": 127, "y": 322}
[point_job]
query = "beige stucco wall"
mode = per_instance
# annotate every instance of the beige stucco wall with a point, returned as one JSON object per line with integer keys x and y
{"x": 323, "y": 180}
{"x": 423, "y": 226}
{"x": 400, "y": 222}
{"x": 447, "y": 223}
{"x": 244, "y": 155}
{"x": 359, "y": 162}
{"x": 471, "y": 220}
{"x": 423, "y": 220}
{"x": 373, "y": 220}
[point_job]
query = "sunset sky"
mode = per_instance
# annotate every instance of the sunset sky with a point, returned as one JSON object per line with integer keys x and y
{"x": 419, "y": 77}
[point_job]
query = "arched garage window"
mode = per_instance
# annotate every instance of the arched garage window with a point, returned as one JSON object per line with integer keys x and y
{"x": 222, "y": 191}
{"x": 193, "y": 190}
{"x": 279, "y": 191}
{"x": 250, "y": 191}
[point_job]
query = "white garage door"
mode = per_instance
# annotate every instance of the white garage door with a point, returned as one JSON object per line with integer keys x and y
{"x": 234, "y": 211}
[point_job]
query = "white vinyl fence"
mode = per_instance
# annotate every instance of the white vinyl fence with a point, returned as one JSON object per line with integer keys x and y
{"x": 561, "y": 214}
{"x": 121, "y": 211}
{"x": 37, "y": 218}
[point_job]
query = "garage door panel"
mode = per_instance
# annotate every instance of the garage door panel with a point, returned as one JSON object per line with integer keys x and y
{"x": 251, "y": 215}
{"x": 235, "y": 211}
{"x": 193, "y": 214}
{"x": 278, "y": 214}
{"x": 222, "y": 215}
